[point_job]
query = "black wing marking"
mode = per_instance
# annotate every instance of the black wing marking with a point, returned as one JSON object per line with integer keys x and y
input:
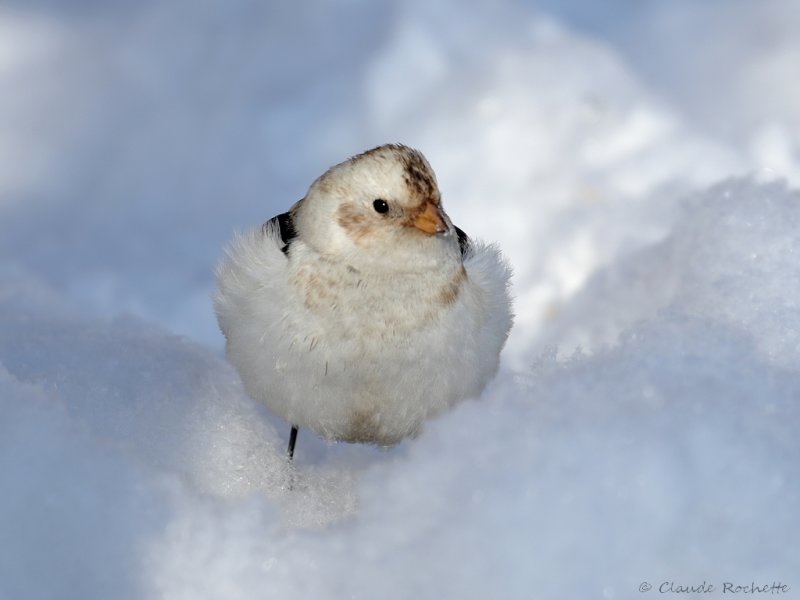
{"x": 285, "y": 224}
{"x": 463, "y": 243}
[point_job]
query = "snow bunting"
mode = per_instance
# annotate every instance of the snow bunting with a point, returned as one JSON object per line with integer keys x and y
{"x": 363, "y": 310}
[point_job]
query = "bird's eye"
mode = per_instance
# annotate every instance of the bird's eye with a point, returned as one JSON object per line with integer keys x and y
{"x": 381, "y": 206}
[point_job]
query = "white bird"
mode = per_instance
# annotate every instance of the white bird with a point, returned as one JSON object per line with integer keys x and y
{"x": 363, "y": 310}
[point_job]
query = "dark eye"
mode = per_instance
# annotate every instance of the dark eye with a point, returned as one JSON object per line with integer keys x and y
{"x": 381, "y": 206}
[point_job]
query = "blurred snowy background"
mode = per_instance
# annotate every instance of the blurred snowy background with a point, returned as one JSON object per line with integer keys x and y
{"x": 639, "y": 164}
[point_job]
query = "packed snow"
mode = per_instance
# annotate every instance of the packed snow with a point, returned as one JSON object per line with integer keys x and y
{"x": 638, "y": 164}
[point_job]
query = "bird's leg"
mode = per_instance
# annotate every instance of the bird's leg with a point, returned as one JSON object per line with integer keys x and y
{"x": 292, "y": 440}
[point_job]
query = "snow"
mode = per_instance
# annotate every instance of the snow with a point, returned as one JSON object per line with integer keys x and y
{"x": 643, "y": 426}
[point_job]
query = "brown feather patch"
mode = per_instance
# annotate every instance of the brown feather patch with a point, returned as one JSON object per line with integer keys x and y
{"x": 355, "y": 223}
{"x": 314, "y": 287}
{"x": 450, "y": 291}
{"x": 419, "y": 179}
{"x": 417, "y": 173}
{"x": 364, "y": 426}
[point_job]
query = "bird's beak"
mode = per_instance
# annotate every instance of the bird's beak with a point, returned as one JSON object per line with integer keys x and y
{"x": 430, "y": 220}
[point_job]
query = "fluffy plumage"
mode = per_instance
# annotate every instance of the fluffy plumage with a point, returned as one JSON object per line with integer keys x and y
{"x": 358, "y": 320}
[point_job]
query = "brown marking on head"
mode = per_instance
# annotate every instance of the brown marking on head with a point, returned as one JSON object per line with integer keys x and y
{"x": 384, "y": 149}
{"x": 355, "y": 223}
{"x": 419, "y": 178}
{"x": 323, "y": 183}
{"x": 417, "y": 173}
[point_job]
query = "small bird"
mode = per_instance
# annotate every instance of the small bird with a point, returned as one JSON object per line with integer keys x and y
{"x": 363, "y": 310}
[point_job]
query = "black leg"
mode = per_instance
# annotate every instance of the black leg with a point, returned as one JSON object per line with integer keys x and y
{"x": 292, "y": 440}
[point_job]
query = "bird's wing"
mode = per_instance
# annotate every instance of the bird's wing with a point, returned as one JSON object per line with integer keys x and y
{"x": 284, "y": 224}
{"x": 463, "y": 243}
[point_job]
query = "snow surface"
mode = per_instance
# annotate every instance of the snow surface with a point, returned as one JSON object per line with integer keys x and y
{"x": 643, "y": 427}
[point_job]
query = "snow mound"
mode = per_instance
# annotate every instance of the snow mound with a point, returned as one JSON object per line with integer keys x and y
{"x": 731, "y": 258}
{"x": 669, "y": 454}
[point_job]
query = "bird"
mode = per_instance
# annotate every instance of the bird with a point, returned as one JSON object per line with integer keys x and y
{"x": 362, "y": 311}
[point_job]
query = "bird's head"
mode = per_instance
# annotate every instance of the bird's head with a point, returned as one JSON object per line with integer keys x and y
{"x": 382, "y": 208}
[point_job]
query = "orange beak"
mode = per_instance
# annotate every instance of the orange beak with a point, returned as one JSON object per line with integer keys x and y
{"x": 430, "y": 220}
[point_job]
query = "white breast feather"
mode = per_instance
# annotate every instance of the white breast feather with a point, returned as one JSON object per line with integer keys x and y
{"x": 356, "y": 357}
